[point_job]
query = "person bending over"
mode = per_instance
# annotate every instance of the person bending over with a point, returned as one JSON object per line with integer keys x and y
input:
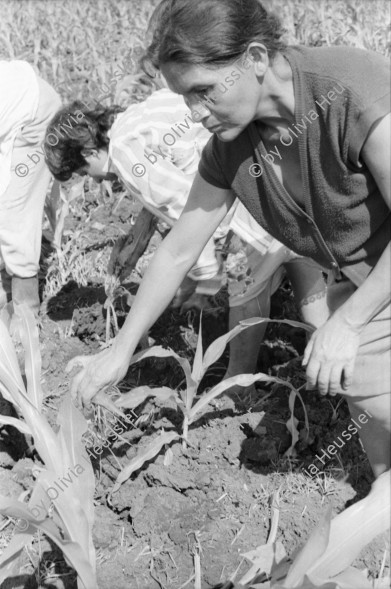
{"x": 27, "y": 103}
{"x": 154, "y": 148}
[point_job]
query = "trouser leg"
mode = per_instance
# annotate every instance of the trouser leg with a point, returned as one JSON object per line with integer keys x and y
{"x": 244, "y": 348}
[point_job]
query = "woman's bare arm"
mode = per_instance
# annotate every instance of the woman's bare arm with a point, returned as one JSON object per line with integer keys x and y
{"x": 204, "y": 211}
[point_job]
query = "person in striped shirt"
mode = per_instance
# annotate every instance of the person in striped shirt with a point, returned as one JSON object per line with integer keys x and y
{"x": 154, "y": 148}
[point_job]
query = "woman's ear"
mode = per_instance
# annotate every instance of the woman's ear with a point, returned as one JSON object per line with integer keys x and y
{"x": 258, "y": 55}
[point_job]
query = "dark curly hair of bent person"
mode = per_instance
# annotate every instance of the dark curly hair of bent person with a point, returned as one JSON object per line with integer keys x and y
{"x": 74, "y": 128}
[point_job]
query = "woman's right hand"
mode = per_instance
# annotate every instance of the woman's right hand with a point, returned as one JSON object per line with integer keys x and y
{"x": 97, "y": 373}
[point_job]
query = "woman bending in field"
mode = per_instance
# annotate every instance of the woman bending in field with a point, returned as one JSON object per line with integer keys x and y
{"x": 27, "y": 103}
{"x": 301, "y": 137}
{"x": 107, "y": 144}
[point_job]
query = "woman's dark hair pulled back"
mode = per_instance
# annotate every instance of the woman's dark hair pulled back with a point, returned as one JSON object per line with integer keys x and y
{"x": 210, "y": 32}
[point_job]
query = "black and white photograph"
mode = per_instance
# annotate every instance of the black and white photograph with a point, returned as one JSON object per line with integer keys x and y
{"x": 195, "y": 294}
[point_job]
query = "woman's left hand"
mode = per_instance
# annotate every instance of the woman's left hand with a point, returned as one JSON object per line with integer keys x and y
{"x": 330, "y": 356}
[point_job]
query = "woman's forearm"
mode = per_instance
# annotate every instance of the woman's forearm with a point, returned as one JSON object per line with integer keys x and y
{"x": 371, "y": 297}
{"x": 161, "y": 281}
{"x": 205, "y": 209}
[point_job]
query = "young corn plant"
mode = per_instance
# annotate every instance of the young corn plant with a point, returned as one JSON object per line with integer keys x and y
{"x": 187, "y": 400}
{"x": 324, "y": 562}
{"x": 62, "y": 511}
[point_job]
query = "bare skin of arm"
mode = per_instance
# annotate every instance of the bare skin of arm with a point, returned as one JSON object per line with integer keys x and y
{"x": 204, "y": 211}
{"x": 332, "y": 349}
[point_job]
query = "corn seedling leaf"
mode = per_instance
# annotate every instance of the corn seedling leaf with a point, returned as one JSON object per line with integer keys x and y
{"x": 30, "y": 340}
{"x": 311, "y": 551}
{"x": 310, "y": 584}
{"x": 23, "y": 535}
{"x": 354, "y": 528}
{"x": 160, "y": 352}
{"x": 351, "y": 578}
{"x": 10, "y": 375}
{"x": 198, "y": 370}
{"x": 259, "y": 320}
{"x": 57, "y": 451}
{"x": 18, "y": 423}
{"x": 293, "y": 421}
{"x": 9, "y": 565}
{"x": 72, "y": 427}
{"x": 243, "y": 380}
{"x": 146, "y": 454}
{"x": 68, "y": 504}
{"x": 71, "y": 550}
{"x": 11, "y": 385}
{"x": 217, "y": 347}
{"x": 263, "y": 559}
{"x": 138, "y": 395}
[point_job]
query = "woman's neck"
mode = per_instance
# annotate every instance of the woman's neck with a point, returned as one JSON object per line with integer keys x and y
{"x": 277, "y": 106}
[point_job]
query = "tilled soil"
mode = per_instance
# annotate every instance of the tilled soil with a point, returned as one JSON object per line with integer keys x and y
{"x": 213, "y": 498}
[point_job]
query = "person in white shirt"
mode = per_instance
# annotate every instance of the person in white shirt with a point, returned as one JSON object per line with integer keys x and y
{"x": 154, "y": 148}
{"x": 27, "y": 103}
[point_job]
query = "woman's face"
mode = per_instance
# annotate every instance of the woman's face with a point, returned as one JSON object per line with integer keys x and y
{"x": 225, "y": 100}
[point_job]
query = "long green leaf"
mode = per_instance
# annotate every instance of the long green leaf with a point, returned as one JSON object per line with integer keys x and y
{"x": 146, "y": 454}
{"x": 13, "y": 508}
{"x": 18, "y": 423}
{"x": 44, "y": 438}
{"x": 68, "y": 505}
{"x": 351, "y": 578}
{"x": 263, "y": 558}
{"x": 72, "y": 427}
{"x": 22, "y": 537}
{"x": 30, "y": 340}
{"x": 160, "y": 352}
{"x": 354, "y": 528}
{"x": 292, "y": 423}
{"x": 10, "y": 375}
{"x": 217, "y": 347}
{"x": 11, "y": 382}
{"x": 243, "y": 380}
{"x": 198, "y": 369}
{"x": 259, "y": 320}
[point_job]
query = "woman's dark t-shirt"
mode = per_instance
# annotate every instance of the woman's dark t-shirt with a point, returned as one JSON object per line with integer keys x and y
{"x": 340, "y": 93}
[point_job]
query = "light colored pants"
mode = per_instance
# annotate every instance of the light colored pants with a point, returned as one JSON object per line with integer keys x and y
{"x": 266, "y": 271}
{"x": 21, "y": 206}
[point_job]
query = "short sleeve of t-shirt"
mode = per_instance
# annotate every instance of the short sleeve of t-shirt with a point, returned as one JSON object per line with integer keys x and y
{"x": 369, "y": 83}
{"x": 221, "y": 161}
{"x": 210, "y": 166}
{"x": 364, "y": 75}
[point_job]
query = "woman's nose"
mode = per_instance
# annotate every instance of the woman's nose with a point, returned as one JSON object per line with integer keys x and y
{"x": 198, "y": 109}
